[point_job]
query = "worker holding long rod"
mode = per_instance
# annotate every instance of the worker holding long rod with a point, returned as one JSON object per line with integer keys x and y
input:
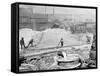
{"x": 61, "y": 42}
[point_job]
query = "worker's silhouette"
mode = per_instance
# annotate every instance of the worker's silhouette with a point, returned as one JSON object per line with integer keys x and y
{"x": 88, "y": 39}
{"x": 22, "y": 43}
{"x": 61, "y": 42}
{"x": 30, "y": 43}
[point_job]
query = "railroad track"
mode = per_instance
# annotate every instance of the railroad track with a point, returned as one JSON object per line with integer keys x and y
{"x": 30, "y": 52}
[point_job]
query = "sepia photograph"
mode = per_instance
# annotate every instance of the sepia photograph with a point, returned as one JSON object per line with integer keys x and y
{"x": 56, "y": 38}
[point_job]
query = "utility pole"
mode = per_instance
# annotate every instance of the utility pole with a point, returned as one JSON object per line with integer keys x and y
{"x": 34, "y": 24}
{"x": 45, "y": 10}
{"x": 53, "y": 11}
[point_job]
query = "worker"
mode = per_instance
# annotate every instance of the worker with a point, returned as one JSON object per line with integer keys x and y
{"x": 88, "y": 39}
{"x": 30, "y": 43}
{"x": 61, "y": 42}
{"x": 22, "y": 43}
